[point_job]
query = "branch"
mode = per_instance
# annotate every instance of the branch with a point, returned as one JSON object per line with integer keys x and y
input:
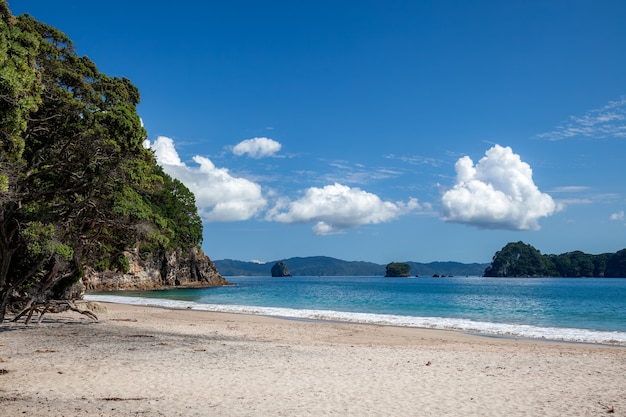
{"x": 45, "y": 307}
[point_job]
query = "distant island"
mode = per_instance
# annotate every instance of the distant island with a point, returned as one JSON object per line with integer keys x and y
{"x": 397, "y": 270}
{"x": 280, "y": 270}
{"x": 327, "y": 266}
{"x": 515, "y": 259}
{"x": 518, "y": 259}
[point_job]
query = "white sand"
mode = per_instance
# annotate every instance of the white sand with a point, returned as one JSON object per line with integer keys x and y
{"x": 142, "y": 361}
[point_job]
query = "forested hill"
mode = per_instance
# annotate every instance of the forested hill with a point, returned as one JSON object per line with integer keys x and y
{"x": 327, "y": 266}
{"x": 518, "y": 259}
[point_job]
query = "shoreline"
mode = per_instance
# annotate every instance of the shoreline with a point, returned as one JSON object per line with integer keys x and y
{"x": 139, "y": 360}
{"x": 487, "y": 329}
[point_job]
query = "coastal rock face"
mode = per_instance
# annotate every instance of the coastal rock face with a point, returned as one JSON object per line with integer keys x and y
{"x": 280, "y": 270}
{"x": 157, "y": 272}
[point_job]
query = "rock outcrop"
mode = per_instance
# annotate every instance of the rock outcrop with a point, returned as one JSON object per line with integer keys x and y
{"x": 280, "y": 270}
{"x": 398, "y": 270}
{"x": 171, "y": 269}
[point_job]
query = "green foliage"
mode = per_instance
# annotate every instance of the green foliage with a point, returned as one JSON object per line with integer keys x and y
{"x": 115, "y": 263}
{"x": 167, "y": 212}
{"x": 40, "y": 241}
{"x": 122, "y": 263}
{"x": 19, "y": 87}
{"x": 177, "y": 206}
{"x": 519, "y": 259}
{"x": 398, "y": 269}
{"x": 616, "y": 265}
{"x": 19, "y": 93}
{"x": 574, "y": 264}
{"x": 522, "y": 260}
{"x": 77, "y": 187}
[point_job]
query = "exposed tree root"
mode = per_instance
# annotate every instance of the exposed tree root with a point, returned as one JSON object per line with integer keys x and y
{"x": 42, "y": 308}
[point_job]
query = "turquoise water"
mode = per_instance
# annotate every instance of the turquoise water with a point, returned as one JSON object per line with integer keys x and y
{"x": 591, "y": 310}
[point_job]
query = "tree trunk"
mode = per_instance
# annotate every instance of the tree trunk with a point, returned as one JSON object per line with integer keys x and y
{"x": 25, "y": 310}
{"x": 5, "y": 294}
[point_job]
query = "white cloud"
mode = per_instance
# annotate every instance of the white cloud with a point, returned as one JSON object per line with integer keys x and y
{"x": 416, "y": 160}
{"x": 497, "y": 193}
{"x": 562, "y": 202}
{"x": 336, "y": 208}
{"x": 220, "y": 197}
{"x": 617, "y": 216}
{"x": 258, "y": 262}
{"x": 608, "y": 121}
{"x": 570, "y": 189}
{"x": 257, "y": 147}
{"x": 355, "y": 173}
{"x": 165, "y": 152}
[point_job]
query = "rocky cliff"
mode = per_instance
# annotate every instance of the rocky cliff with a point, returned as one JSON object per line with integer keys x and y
{"x": 171, "y": 269}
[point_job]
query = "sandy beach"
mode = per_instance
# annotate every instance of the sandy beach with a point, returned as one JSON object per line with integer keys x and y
{"x": 138, "y": 361}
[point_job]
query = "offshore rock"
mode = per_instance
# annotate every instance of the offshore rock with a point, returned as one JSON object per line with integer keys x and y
{"x": 168, "y": 270}
{"x": 280, "y": 270}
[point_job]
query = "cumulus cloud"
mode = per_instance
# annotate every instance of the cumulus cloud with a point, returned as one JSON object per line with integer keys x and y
{"x": 165, "y": 151}
{"x": 617, "y": 216}
{"x": 608, "y": 121}
{"x": 220, "y": 196}
{"x": 497, "y": 193}
{"x": 336, "y": 208}
{"x": 257, "y": 147}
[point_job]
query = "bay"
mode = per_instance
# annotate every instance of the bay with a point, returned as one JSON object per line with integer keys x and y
{"x": 581, "y": 309}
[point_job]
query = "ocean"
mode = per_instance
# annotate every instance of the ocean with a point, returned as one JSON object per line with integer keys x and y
{"x": 566, "y": 309}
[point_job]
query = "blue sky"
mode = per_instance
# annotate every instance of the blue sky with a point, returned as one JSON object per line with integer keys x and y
{"x": 377, "y": 130}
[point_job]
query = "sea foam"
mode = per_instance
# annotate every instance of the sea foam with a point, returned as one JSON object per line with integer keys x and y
{"x": 469, "y": 326}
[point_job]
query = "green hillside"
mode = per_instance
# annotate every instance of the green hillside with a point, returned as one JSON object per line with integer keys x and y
{"x": 327, "y": 266}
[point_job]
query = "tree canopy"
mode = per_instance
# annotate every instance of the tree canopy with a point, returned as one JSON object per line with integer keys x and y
{"x": 77, "y": 187}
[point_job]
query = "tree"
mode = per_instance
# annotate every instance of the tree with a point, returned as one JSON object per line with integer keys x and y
{"x": 77, "y": 150}
{"x": 574, "y": 264}
{"x": 522, "y": 260}
{"x": 19, "y": 92}
{"x": 599, "y": 264}
{"x": 397, "y": 269}
{"x": 616, "y": 265}
{"x": 77, "y": 187}
{"x": 176, "y": 205}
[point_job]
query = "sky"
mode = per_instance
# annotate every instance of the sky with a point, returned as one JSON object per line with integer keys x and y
{"x": 377, "y": 130}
